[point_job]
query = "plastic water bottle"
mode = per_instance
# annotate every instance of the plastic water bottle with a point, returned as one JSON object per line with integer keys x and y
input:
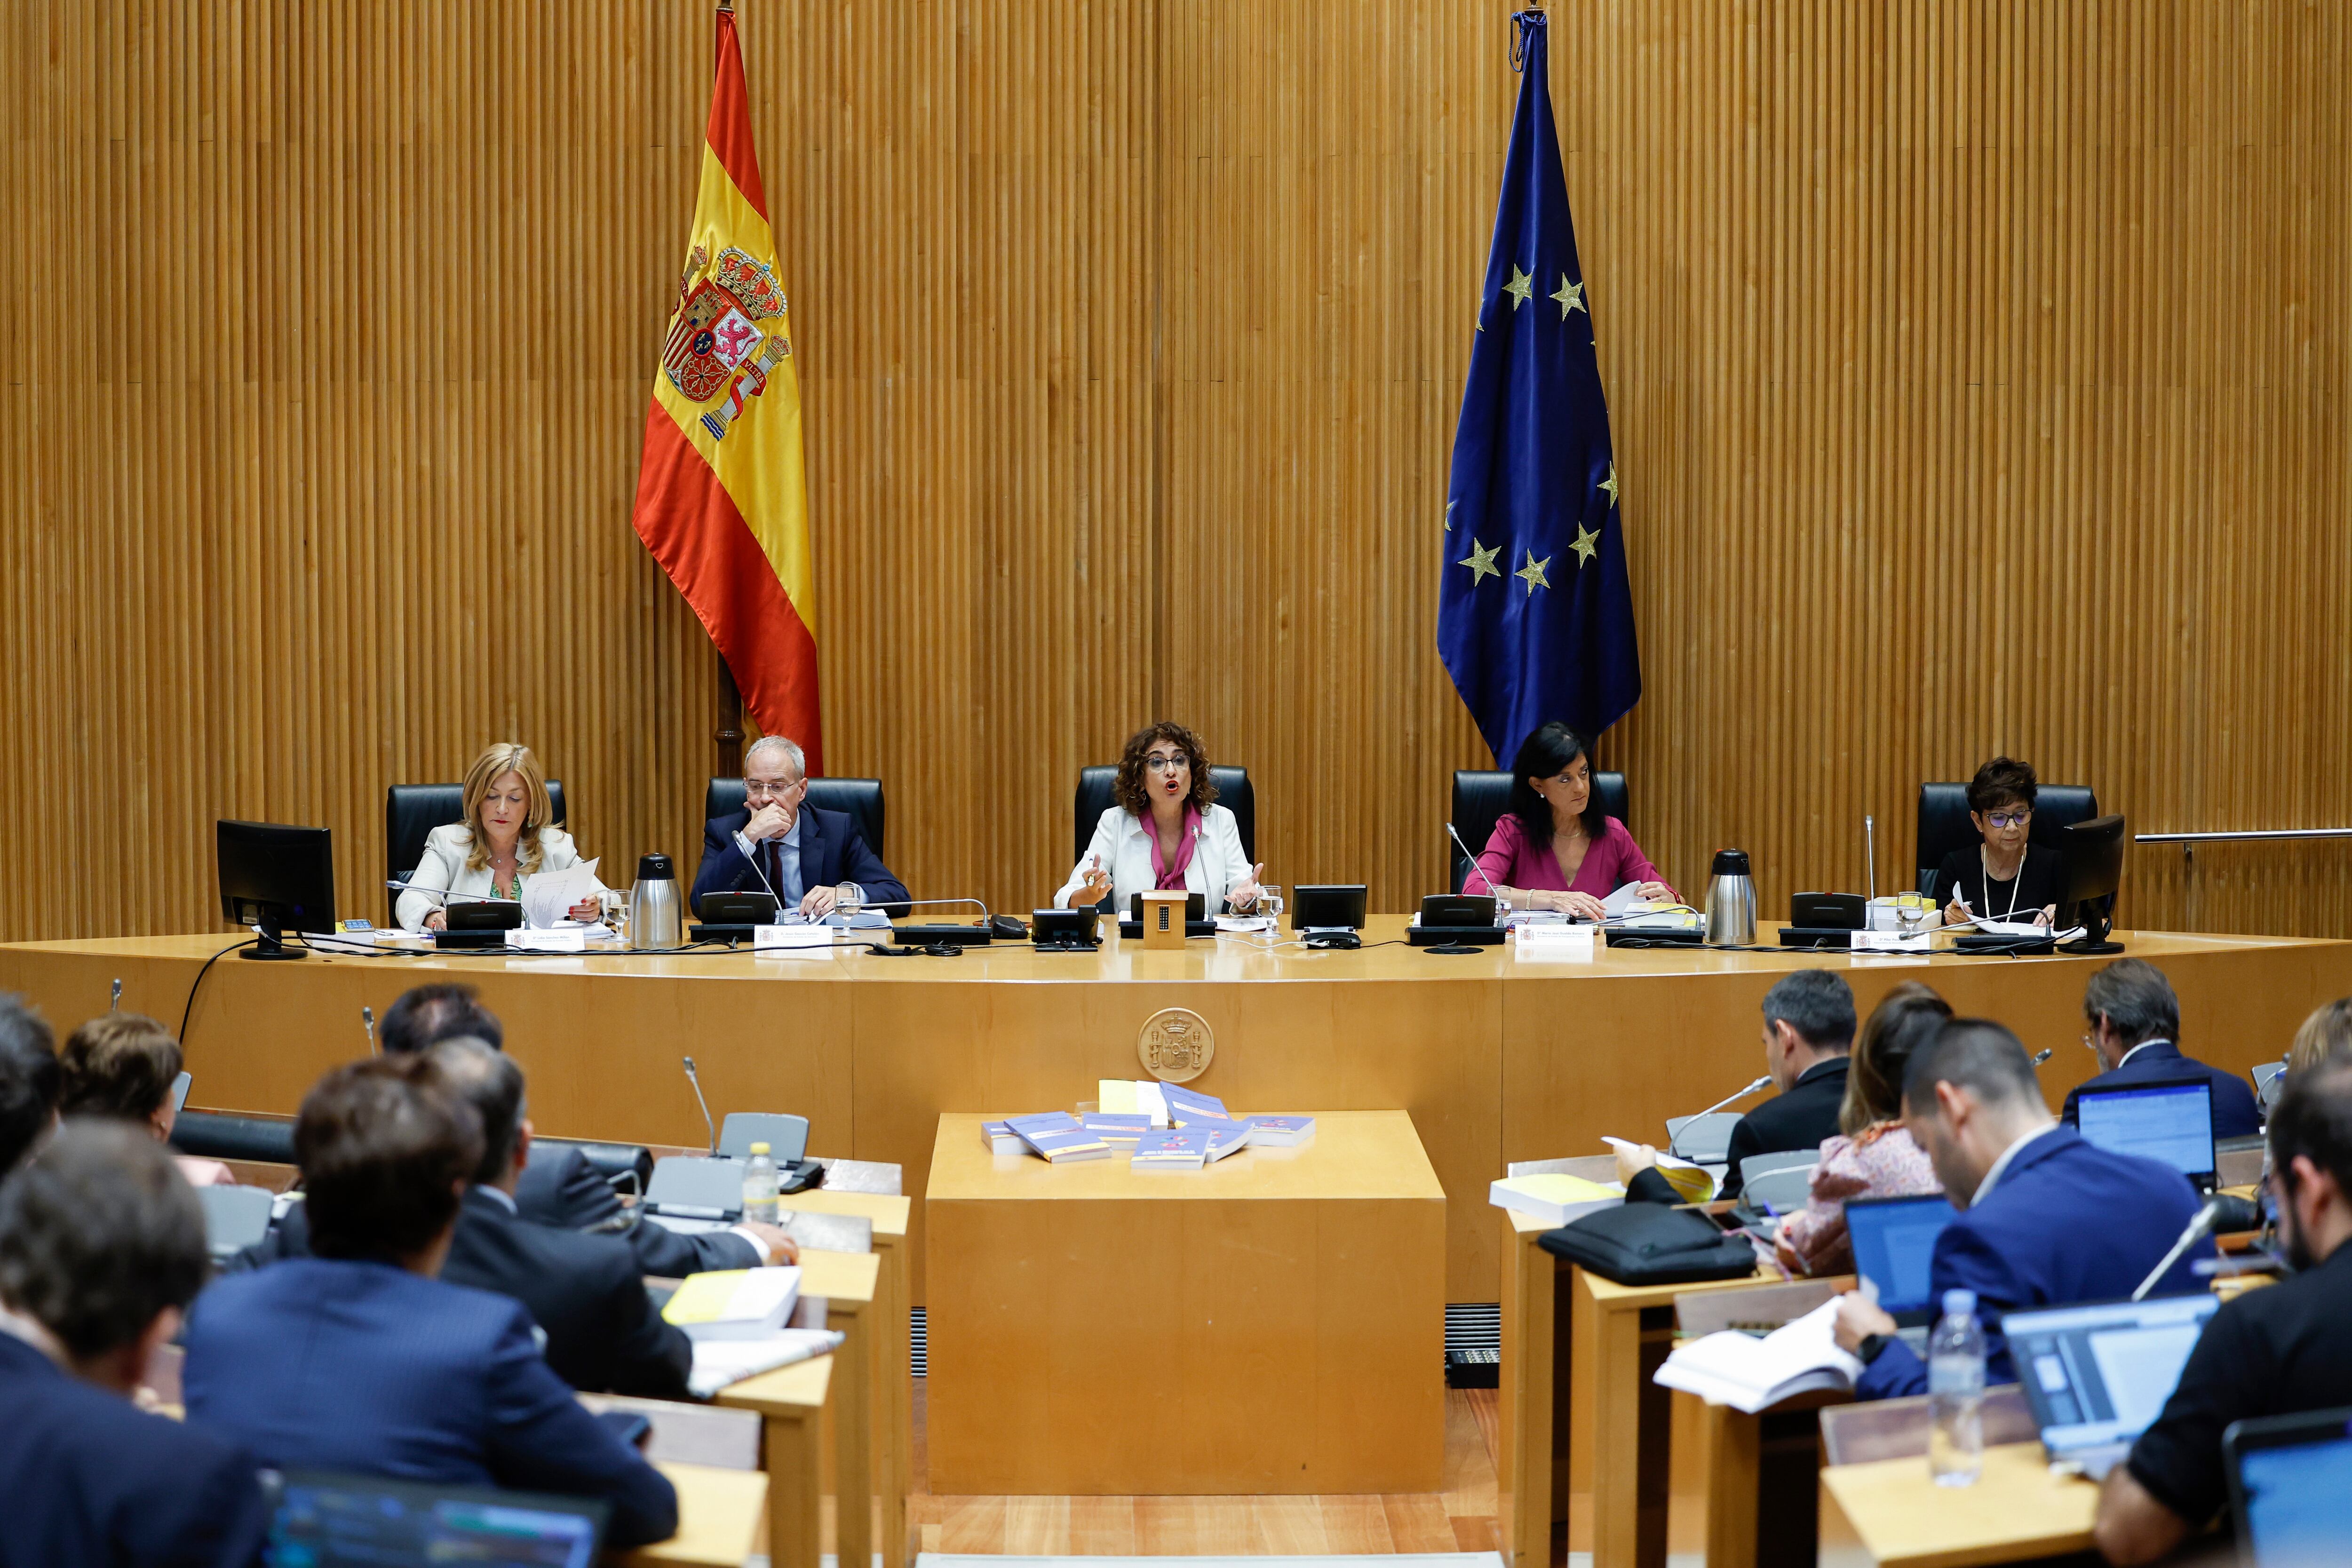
{"x": 760, "y": 1204}
{"x": 1956, "y": 1385}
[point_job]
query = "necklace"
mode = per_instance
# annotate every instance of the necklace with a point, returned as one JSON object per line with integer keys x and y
{"x": 2015, "y": 882}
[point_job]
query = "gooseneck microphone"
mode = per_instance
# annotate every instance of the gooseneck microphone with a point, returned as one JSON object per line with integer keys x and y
{"x": 116, "y": 1005}
{"x": 709, "y": 1125}
{"x": 2188, "y": 1238}
{"x": 1450, "y": 833}
{"x": 367, "y": 1023}
{"x": 747, "y": 847}
{"x": 1718, "y": 1105}
{"x": 2043, "y": 1056}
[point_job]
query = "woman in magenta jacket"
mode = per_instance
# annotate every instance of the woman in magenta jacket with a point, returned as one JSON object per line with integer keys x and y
{"x": 1556, "y": 849}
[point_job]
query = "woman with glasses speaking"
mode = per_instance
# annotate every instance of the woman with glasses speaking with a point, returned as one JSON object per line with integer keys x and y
{"x": 2004, "y": 878}
{"x": 1166, "y": 832}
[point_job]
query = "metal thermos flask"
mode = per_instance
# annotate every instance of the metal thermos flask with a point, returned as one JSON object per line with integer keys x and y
{"x": 657, "y": 913}
{"x": 1730, "y": 901}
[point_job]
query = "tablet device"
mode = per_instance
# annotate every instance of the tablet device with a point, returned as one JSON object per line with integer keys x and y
{"x": 1894, "y": 1243}
{"x": 2171, "y": 1123}
{"x": 2291, "y": 1488}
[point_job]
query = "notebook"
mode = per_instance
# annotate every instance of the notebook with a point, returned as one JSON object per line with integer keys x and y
{"x": 2095, "y": 1376}
{"x": 1894, "y": 1244}
{"x": 2171, "y": 1123}
{"x": 334, "y": 1521}
{"x": 2291, "y": 1488}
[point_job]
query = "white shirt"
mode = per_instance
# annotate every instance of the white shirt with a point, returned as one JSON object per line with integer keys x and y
{"x": 1123, "y": 841}
{"x": 2136, "y": 1050}
{"x": 2002, "y": 1165}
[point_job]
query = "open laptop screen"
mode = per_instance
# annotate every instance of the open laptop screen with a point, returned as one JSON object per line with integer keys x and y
{"x": 2100, "y": 1375}
{"x": 1894, "y": 1243}
{"x": 326, "y": 1520}
{"x": 2291, "y": 1477}
{"x": 2171, "y": 1123}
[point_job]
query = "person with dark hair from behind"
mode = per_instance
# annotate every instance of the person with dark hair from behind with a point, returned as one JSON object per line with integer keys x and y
{"x": 123, "y": 1065}
{"x": 2005, "y": 877}
{"x": 2046, "y": 1219}
{"x": 2134, "y": 1022}
{"x": 567, "y": 1191}
{"x": 360, "y": 1359}
{"x": 1808, "y": 1034}
{"x": 101, "y": 1248}
{"x": 28, "y": 1081}
{"x": 2279, "y": 1351}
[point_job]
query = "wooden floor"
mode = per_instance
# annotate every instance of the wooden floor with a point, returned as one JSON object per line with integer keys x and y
{"x": 1459, "y": 1518}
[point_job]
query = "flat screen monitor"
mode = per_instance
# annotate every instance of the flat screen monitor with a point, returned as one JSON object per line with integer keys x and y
{"x": 325, "y": 1521}
{"x": 277, "y": 878}
{"x": 1328, "y": 907}
{"x": 2091, "y": 869}
{"x": 1894, "y": 1243}
{"x": 2097, "y": 1375}
{"x": 2291, "y": 1488}
{"x": 2171, "y": 1123}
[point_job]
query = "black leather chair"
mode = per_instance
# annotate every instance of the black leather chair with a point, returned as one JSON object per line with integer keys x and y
{"x": 1096, "y": 795}
{"x": 411, "y": 811}
{"x": 1944, "y": 824}
{"x": 1480, "y": 798}
{"x": 861, "y": 798}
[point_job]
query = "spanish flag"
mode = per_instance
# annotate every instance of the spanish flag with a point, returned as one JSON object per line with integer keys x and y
{"x": 722, "y": 496}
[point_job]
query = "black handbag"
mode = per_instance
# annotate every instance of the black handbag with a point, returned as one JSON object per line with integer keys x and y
{"x": 1650, "y": 1243}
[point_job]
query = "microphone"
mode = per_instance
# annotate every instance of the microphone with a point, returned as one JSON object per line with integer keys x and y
{"x": 747, "y": 847}
{"x": 708, "y": 1124}
{"x": 2198, "y": 1228}
{"x": 367, "y": 1022}
{"x": 918, "y": 903}
{"x": 2043, "y": 1056}
{"x": 1500, "y": 900}
{"x": 1718, "y": 1105}
{"x": 445, "y": 894}
{"x": 116, "y": 1005}
{"x": 1870, "y": 855}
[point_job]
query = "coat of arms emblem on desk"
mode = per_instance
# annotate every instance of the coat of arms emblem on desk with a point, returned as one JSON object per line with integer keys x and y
{"x": 1175, "y": 1045}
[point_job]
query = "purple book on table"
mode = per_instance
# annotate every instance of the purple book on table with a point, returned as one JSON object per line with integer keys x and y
{"x": 1056, "y": 1135}
{"x": 1172, "y": 1150}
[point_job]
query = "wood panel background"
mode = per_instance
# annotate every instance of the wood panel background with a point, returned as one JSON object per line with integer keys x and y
{"x": 1978, "y": 369}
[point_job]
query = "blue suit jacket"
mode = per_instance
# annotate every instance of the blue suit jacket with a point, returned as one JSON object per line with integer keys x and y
{"x": 831, "y": 851}
{"x": 339, "y": 1365}
{"x": 2235, "y": 1114}
{"x": 2066, "y": 1223}
{"x": 92, "y": 1480}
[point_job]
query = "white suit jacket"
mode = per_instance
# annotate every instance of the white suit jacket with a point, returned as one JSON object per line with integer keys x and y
{"x": 1124, "y": 842}
{"x": 443, "y": 865}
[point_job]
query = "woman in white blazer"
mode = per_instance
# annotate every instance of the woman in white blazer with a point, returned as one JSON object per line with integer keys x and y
{"x": 506, "y": 836}
{"x": 1166, "y": 832}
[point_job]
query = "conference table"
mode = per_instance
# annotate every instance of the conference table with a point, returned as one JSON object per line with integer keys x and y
{"x": 1495, "y": 1058}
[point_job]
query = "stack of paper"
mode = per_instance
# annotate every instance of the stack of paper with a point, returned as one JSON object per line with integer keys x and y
{"x": 1057, "y": 1135}
{"x": 1125, "y": 1096}
{"x": 1692, "y": 1183}
{"x": 717, "y": 1362}
{"x": 1746, "y": 1373}
{"x": 734, "y": 1303}
{"x": 1554, "y": 1199}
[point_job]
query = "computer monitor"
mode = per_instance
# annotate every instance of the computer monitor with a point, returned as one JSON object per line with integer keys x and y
{"x": 275, "y": 878}
{"x": 2291, "y": 1488}
{"x": 2095, "y": 1376}
{"x": 1894, "y": 1245}
{"x": 2168, "y": 1123}
{"x": 325, "y": 1521}
{"x": 2091, "y": 869}
{"x": 1329, "y": 907}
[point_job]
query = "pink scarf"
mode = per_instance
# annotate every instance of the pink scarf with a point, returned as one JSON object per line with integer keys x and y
{"x": 1167, "y": 876}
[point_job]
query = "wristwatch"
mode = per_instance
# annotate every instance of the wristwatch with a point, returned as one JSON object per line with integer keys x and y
{"x": 1867, "y": 1351}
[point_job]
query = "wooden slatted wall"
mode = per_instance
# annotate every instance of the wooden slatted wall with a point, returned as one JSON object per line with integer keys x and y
{"x": 1979, "y": 372}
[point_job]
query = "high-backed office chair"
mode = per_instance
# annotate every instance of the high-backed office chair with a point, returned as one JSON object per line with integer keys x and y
{"x": 411, "y": 811}
{"x": 1480, "y": 798}
{"x": 1096, "y": 795}
{"x": 1944, "y": 824}
{"x": 861, "y": 798}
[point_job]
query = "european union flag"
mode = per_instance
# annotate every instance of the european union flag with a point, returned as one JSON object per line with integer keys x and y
{"x": 1535, "y": 615}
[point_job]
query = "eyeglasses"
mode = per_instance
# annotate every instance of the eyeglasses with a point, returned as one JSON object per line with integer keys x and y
{"x": 2009, "y": 819}
{"x": 753, "y": 789}
{"x": 1160, "y": 763}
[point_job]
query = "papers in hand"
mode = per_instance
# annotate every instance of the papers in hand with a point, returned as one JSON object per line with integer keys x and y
{"x": 1747, "y": 1374}
{"x": 548, "y": 896}
{"x": 1694, "y": 1183}
{"x": 717, "y": 1362}
{"x": 1625, "y": 900}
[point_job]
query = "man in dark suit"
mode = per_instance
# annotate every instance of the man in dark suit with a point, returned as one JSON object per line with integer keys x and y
{"x": 101, "y": 1248}
{"x": 361, "y": 1359}
{"x": 805, "y": 855}
{"x": 29, "y": 1081}
{"x": 2046, "y": 1219}
{"x": 2134, "y": 1022}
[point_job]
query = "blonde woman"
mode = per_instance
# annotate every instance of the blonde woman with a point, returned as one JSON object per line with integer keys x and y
{"x": 505, "y": 836}
{"x": 2327, "y": 1032}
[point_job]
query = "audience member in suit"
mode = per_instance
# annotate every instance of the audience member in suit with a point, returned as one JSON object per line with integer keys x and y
{"x": 565, "y": 1191}
{"x": 1873, "y": 1155}
{"x": 101, "y": 1248}
{"x": 2005, "y": 877}
{"x": 2135, "y": 1022}
{"x": 361, "y": 1359}
{"x": 2046, "y": 1219}
{"x": 124, "y": 1065}
{"x": 28, "y": 1081}
{"x": 508, "y": 833}
{"x": 809, "y": 857}
{"x": 1808, "y": 1034}
{"x": 2278, "y": 1351}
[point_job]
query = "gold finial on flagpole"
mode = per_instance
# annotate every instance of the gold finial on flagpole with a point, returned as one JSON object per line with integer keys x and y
{"x": 728, "y": 6}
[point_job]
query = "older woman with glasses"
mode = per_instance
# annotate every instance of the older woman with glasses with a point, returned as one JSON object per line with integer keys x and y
{"x": 812, "y": 860}
{"x": 2005, "y": 877}
{"x": 1165, "y": 833}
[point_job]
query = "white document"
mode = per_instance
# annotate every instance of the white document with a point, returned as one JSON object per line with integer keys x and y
{"x": 717, "y": 1362}
{"x": 1624, "y": 901}
{"x": 548, "y": 896}
{"x": 1748, "y": 1373}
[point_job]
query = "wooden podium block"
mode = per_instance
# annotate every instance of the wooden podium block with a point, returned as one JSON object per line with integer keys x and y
{"x": 1274, "y": 1323}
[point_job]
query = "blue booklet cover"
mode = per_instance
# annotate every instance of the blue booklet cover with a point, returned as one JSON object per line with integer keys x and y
{"x": 1226, "y": 1136}
{"x": 1057, "y": 1135}
{"x": 1115, "y": 1126}
{"x": 1184, "y": 1106}
{"x": 1281, "y": 1132}
{"x": 1172, "y": 1149}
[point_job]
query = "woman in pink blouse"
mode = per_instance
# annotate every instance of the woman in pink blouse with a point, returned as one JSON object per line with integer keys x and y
{"x": 1872, "y": 1156}
{"x": 1556, "y": 849}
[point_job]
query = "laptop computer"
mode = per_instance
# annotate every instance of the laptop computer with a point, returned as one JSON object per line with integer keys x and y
{"x": 328, "y": 1521}
{"x": 1894, "y": 1243}
{"x": 2095, "y": 1376}
{"x": 2171, "y": 1123}
{"x": 2291, "y": 1488}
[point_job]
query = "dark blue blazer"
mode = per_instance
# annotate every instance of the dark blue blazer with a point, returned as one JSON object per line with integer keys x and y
{"x": 340, "y": 1366}
{"x": 2234, "y": 1112}
{"x": 569, "y": 1193}
{"x": 2066, "y": 1223}
{"x": 831, "y": 851}
{"x": 92, "y": 1480}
